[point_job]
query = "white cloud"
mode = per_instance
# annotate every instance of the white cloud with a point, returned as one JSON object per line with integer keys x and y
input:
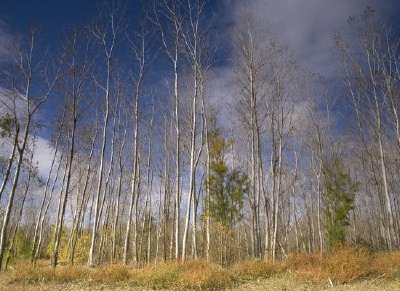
{"x": 43, "y": 153}
{"x": 43, "y": 156}
{"x": 308, "y": 26}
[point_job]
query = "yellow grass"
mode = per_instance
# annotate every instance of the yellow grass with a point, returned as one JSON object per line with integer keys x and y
{"x": 342, "y": 265}
{"x": 345, "y": 264}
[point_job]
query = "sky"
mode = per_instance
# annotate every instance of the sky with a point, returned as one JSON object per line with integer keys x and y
{"x": 307, "y": 27}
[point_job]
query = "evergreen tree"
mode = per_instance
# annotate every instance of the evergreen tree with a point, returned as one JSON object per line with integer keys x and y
{"x": 227, "y": 187}
{"x": 338, "y": 199}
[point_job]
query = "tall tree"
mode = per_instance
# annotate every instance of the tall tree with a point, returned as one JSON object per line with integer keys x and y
{"x": 106, "y": 30}
{"x": 24, "y": 102}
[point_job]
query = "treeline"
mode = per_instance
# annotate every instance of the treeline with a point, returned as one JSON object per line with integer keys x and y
{"x": 150, "y": 163}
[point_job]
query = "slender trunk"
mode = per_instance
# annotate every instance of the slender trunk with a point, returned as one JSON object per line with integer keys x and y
{"x": 7, "y": 214}
{"x": 135, "y": 177}
{"x": 58, "y": 231}
{"x": 91, "y": 261}
{"x": 192, "y": 170}
{"x": 109, "y": 42}
{"x": 43, "y": 217}
{"x": 42, "y": 205}
{"x": 177, "y": 159}
{"x": 13, "y": 236}
{"x": 9, "y": 165}
{"x": 116, "y": 217}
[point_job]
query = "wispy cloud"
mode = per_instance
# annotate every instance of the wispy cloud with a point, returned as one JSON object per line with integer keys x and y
{"x": 308, "y": 26}
{"x": 6, "y": 41}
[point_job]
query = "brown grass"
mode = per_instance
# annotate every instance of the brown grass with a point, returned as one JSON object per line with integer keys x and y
{"x": 250, "y": 270}
{"x": 111, "y": 274}
{"x": 188, "y": 275}
{"x": 386, "y": 264}
{"x": 203, "y": 275}
{"x": 27, "y": 273}
{"x": 342, "y": 265}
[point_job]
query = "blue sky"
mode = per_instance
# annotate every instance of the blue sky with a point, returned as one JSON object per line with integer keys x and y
{"x": 305, "y": 26}
{"x": 53, "y": 15}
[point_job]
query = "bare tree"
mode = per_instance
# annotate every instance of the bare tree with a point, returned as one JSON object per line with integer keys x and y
{"x": 74, "y": 84}
{"x": 140, "y": 53}
{"x": 367, "y": 60}
{"x": 27, "y": 65}
{"x": 106, "y": 32}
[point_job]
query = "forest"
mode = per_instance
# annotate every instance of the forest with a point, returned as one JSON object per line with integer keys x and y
{"x": 152, "y": 158}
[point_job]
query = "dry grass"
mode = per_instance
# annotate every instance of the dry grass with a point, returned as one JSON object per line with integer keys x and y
{"x": 341, "y": 266}
{"x": 344, "y": 265}
{"x": 203, "y": 275}
{"x": 250, "y": 270}
{"x": 188, "y": 275}
{"x": 111, "y": 274}
{"x": 386, "y": 264}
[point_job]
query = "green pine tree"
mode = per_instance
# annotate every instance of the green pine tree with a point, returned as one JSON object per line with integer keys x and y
{"x": 338, "y": 198}
{"x": 227, "y": 187}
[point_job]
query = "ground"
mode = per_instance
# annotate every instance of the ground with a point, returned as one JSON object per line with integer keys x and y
{"x": 279, "y": 282}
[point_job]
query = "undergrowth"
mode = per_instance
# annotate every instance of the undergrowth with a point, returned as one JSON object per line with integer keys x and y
{"x": 342, "y": 265}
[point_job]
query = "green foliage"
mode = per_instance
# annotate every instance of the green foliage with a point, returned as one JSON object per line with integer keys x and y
{"x": 62, "y": 253}
{"x": 338, "y": 200}
{"x": 227, "y": 187}
{"x": 23, "y": 245}
{"x": 7, "y": 123}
